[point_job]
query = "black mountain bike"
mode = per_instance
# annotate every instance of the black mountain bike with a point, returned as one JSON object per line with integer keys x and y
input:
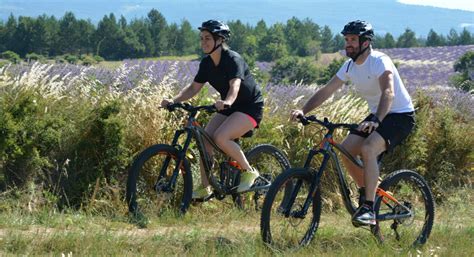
{"x": 160, "y": 177}
{"x": 404, "y": 203}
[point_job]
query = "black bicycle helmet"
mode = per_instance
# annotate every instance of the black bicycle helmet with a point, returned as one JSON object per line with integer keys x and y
{"x": 216, "y": 28}
{"x": 360, "y": 28}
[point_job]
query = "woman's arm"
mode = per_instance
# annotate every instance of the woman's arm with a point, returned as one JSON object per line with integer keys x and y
{"x": 188, "y": 92}
{"x": 185, "y": 94}
{"x": 234, "y": 87}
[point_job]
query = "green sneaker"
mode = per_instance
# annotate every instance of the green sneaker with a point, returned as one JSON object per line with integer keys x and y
{"x": 202, "y": 192}
{"x": 247, "y": 178}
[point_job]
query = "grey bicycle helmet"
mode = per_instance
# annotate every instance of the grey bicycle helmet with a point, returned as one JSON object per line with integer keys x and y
{"x": 216, "y": 27}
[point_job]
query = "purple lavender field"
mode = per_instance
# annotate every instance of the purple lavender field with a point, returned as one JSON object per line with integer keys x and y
{"x": 427, "y": 66}
{"x": 427, "y": 69}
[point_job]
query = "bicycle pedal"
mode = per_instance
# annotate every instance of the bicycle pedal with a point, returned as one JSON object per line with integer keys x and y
{"x": 201, "y": 200}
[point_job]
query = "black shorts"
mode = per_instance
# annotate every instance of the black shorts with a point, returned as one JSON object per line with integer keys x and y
{"x": 254, "y": 110}
{"x": 395, "y": 127}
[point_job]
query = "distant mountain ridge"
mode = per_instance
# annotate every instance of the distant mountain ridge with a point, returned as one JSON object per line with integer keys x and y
{"x": 386, "y": 15}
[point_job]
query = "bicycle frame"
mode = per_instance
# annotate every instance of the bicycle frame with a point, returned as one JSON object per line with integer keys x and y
{"x": 326, "y": 148}
{"x": 193, "y": 130}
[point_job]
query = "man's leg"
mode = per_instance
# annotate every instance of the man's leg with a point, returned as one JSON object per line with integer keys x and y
{"x": 353, "y": 144}
{"x": 371, "y": 148}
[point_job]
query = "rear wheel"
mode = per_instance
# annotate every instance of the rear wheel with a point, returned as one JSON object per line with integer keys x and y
{"x": 283, "y": 223}
{"x": 149, "y": 190}
{"x": 270, "y": 162}
{"x": 415, "y": 210}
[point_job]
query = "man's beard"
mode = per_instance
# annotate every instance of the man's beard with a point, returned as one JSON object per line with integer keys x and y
{"x": 352, "y": 54}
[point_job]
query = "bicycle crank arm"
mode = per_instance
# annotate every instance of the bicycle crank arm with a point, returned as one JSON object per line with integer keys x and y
{"x": 394, "y": 216}
{"x": 252, "y": 189}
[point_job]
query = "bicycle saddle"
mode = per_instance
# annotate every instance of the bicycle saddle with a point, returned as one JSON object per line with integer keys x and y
{"x": 248, "y": 134}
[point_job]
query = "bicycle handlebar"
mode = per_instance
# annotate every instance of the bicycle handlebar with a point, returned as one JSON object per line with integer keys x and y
{"x": 305, "y": 120}
{"x": 190, "y": 108}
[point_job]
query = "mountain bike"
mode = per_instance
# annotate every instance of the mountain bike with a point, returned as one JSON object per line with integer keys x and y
{"x": 160, "y": 177}
{"x": 404, "y": 203}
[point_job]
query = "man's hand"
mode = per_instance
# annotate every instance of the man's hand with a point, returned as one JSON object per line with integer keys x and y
{"x": 295, "y": 114}
{"x": 368, "y": 126}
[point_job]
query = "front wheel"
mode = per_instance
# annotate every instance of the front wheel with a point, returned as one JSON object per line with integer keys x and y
{"x": 405, "y": 213}
{"x": 284, "y": 223}
{"x": 270, "y": 162}
{"x": 149, "y": 187}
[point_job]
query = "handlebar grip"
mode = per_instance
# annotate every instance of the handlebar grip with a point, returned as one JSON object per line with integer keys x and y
{"x": 211, "y": 108}
{"x": 303, "y": 120}
{"x": 353, "y": 126}
{"x": 173, "y": 106}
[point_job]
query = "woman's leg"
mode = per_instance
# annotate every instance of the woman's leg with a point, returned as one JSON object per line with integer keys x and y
{"x": 211, "y": 127}
{"x": 236, "y": 125}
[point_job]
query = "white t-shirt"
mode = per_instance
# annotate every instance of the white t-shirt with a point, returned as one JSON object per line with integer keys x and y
{"x": 365, "y": 78}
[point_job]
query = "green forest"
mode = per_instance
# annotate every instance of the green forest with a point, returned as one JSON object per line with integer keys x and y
{"x": 116, "y": 38}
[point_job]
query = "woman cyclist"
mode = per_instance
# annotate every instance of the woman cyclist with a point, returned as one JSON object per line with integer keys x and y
{"x": 240, "y": 108}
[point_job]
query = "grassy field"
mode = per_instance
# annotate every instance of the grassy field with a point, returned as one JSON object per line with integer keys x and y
{"x": 214, "y": 229}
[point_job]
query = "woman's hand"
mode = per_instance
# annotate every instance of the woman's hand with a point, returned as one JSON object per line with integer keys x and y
{"x": 166, "y": 102}
{"x": 221, "y": 105}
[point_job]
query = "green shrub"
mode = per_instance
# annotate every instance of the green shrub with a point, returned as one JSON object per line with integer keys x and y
{"x": 99, "y": 152}
{"x": 28, "y": 138}
{"x": 35, "y": 57}
{"x": 88, "y": 60}
{"x": 63, "y": 141}
{"x": 291, "y": 70}
{"x": 330, "y": 70}
{"x": 464, "y": 67}
{"x": 440, "y": 148}
{"x": 98, "y": 58}
{"x": 11, "y": 56}
{"x": 72, "y": 59}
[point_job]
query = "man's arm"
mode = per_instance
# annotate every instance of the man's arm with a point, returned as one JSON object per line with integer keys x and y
{"x": 323, "y": 94}
{"x": 319, "y": 97}
{"x": 388, "y": 94}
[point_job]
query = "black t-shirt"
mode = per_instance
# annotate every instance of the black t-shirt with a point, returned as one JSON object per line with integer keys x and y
{"x": 231, "y": 66}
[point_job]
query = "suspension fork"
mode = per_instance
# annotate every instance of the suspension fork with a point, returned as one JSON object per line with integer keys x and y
{"x": 180, "y": 159}
{"x": 313, "y": 187}
{"x": 177, "y": 134}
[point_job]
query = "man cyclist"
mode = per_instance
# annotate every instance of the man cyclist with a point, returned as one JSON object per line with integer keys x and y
{"x": 240, "y": 108}
{"x": 391, "y": 116}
